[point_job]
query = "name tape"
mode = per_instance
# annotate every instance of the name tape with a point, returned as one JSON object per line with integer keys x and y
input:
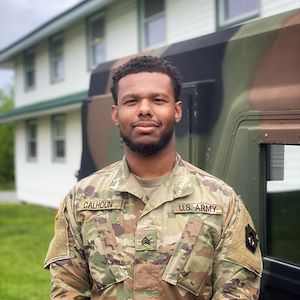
{"x": 212, "y": 209}
{"x": 100, "y": 205}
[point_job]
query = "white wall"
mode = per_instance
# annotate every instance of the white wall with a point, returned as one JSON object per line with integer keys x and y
{"x": 45, "y": 181}
{"x": 122, "y": 29}
{"x": 189, "y": 18}
{"x": 76, "y": 74}
{"x": 273, "y": 7}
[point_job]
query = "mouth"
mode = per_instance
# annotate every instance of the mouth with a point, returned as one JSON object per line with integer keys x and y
{"x": 145, "y": 126}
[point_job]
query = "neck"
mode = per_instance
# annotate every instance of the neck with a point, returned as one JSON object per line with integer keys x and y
{"x": 152, "y": 166}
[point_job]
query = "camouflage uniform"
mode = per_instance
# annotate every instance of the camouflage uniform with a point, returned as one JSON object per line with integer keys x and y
{"x": 186, "y": 242}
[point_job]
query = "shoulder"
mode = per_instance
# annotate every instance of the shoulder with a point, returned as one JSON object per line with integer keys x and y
{"x": 207, "y": 181}
{"x": 100, "y": 178}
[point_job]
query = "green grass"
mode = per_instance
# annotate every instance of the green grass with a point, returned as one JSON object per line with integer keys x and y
{"x": 25, "y": 233}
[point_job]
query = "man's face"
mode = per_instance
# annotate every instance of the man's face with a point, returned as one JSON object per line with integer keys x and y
{"x": 146, "y": 111}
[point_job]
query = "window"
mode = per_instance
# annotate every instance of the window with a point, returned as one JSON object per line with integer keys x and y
{"x": 29, "y": 69}
{"x": 31, "y": 136}
{"x": 58, "y": 133}
{"x": 153, "y": 27}
{"x": 235, "y": 11}
{"x": 96, "y": 41}
{"x": 56, "y": 58}
{"x": 283, "y": 202}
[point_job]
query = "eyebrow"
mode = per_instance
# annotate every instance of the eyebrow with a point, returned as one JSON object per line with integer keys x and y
{"x": 152, "y": 95}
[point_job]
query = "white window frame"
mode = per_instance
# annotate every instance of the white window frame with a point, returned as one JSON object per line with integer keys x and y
{"x": 90, "y": 43}
{"x": 144, "y": 21}
{"x": 31, "y": 139}
{"x": 223, "y": 22}
{"x": 56, "y": 139}
{"x": 28, "y": 68}
{"x": 56, "y": 54}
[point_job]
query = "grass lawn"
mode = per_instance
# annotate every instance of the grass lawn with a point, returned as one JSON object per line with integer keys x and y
{"x": 25, "y": 233}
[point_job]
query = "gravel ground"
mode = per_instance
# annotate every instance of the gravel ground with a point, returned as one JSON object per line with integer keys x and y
{"x": 8, "y": 197}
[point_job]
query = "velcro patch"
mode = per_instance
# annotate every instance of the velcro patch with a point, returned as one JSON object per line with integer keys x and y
{"x": 100, "y": 204}
{"x": 205, "y": 208}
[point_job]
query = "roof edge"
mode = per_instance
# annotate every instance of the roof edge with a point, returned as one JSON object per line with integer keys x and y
{"x": 43, "y": 107}
{"x": 81, "y": 10}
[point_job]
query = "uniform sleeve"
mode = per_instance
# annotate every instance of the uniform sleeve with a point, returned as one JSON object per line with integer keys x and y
{"x": 65, "y": 258}
{"x": 238, "y": 263}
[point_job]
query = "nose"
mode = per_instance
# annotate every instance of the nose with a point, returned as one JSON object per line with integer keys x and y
{"x": 144, "y": 108}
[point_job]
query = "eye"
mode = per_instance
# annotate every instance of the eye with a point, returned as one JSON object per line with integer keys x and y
{"x": 130, "y": 101}
{"x": 159, "y": 100}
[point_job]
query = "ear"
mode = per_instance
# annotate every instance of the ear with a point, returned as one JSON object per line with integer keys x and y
{"x": 114, "y": 114}
{"x": 178, "y": 111}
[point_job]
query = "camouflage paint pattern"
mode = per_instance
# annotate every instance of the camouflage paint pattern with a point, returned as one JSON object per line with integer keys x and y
{"x": 186, "y": 242}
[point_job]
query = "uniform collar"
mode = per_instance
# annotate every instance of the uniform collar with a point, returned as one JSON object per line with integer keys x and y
{"x": 178, "y": 184}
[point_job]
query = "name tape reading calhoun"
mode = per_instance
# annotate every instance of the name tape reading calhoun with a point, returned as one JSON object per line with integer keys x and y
{"x": 152, "y": 226}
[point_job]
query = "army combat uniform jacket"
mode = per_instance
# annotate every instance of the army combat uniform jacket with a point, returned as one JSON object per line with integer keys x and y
{"x": 193, "y": 239}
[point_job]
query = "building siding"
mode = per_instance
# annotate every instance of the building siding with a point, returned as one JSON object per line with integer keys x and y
{"x": 45, "y": 181}
{"x": 76, "y": 73}
{"x": 188, "y": 19}
{"x": 273, "y": 7}
{"x": 122, "y": 29}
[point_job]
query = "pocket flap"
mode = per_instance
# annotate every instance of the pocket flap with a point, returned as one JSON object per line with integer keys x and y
{"x": 183, "y": 249}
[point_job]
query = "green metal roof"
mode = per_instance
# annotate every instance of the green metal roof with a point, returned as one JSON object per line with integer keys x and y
{"x": 44, "y": 106}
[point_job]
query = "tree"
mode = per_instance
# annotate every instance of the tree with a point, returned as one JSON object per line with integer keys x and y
{"x": 7, "y": 173}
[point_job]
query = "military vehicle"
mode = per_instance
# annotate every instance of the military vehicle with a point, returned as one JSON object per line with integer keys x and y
{"x": 241, "y": 123}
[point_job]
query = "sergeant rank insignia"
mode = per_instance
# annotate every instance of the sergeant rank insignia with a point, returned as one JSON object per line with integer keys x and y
{"x": 251, "y": 239}
{"x": 145, "y": 240}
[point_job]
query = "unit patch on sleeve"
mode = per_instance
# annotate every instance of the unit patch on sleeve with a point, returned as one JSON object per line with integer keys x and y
{"x": 183, "y": 207}
{"x": 251, "y": 238}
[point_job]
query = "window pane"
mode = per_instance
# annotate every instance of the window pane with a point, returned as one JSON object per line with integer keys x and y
{"x": 276, "y": 166}
{"x": 31, "y": 132}
{"x": 57, "y": 63}
{"x": 96, "y": 41}
{"x": 98, "y": 52}
{"x": 153, "y": 7}
{"x": 60, "y": 149}
{"x": 32, "y": 149}
{"x": 58, "y": 124}
{"x": 283, "y": 203}
{"x": 235, "y": 8}
{"x": 30, "y": 78}
{"x": 97, "y": 31}
{"x": 29, "y": 70}
{"x": 155, "y": 31}
{"x": 58, "y": 68}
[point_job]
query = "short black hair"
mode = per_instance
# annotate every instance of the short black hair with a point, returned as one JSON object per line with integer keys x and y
{"x": 147, "y": 63}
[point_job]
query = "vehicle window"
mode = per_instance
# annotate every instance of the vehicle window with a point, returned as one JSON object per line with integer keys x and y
{"x": 283, "y": 203}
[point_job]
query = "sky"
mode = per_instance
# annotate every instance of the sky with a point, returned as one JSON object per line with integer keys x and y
{"x": 19, "y": 17}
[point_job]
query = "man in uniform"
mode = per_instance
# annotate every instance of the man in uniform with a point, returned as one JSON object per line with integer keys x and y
{"x": 152, "y": 226}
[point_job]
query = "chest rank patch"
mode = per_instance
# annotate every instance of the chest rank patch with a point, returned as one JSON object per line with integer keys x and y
{"x": 145, "y": 240}
{"x": 98, "y": 204}
{"x": 183, "y": 207}
{"x": 251, "y": 239}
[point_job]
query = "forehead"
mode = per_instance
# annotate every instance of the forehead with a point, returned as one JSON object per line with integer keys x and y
{"x": 145, "y": 80}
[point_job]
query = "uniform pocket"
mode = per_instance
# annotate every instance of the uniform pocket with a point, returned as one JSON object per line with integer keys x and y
{"x": 106, "y": 263}
{"x": 190, "y": 265}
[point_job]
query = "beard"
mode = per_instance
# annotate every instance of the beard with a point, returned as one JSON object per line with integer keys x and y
{"x": 148, "y": 149}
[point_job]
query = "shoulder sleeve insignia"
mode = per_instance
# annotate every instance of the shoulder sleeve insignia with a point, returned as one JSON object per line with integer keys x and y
{"x": 251, "y": 238}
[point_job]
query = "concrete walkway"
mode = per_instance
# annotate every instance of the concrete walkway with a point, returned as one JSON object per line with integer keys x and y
{"x": 8, "y": 197}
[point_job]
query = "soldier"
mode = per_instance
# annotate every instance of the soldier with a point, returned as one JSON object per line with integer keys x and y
{"x": 152, "y": 226}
